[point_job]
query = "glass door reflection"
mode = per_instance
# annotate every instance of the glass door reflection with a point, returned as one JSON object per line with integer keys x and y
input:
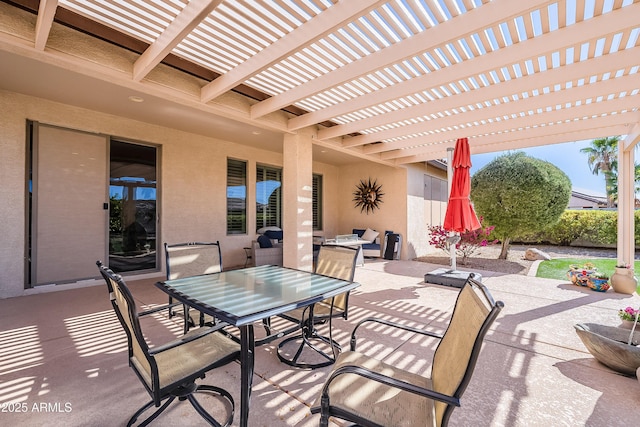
{"x": 132, "y": 207}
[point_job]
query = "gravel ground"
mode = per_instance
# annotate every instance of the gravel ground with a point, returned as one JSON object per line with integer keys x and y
{"x": 487, "y": 257}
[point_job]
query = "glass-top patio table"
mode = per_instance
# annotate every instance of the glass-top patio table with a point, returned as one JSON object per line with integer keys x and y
{"x": 241, "y": 297}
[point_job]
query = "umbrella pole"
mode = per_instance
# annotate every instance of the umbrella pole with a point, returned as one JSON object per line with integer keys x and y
{"x": 453, "y": 241}
{"x": 452, "y": 252}
{"x": 454, "y": 267}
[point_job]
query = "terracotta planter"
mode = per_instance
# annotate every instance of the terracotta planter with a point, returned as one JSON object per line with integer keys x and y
{"x": 628, "y": 324}
{"x": 623, "y": 281}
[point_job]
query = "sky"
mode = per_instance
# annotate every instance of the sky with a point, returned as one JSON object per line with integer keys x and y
{"x": 566, "y": 156}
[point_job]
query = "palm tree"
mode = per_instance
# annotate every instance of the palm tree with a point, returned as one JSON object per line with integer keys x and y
{"x": 603, "y": 157}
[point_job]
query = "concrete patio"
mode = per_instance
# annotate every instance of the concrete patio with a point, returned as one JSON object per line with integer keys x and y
{"x": 63, "y": 355}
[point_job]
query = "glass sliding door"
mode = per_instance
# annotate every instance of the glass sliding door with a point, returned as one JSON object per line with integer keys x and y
{"x": 132, "y": 207}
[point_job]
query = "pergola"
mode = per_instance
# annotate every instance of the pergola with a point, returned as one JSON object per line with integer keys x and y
{"x": 394, "y": 82}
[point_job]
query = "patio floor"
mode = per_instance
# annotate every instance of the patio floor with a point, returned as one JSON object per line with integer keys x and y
{"x": 63, "y": 354}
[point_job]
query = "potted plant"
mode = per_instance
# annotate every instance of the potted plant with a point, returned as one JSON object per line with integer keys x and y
{"x": 623, "y": 280}
{"x": 579, "y": 274}
{"x": 628, "y": 317}
{"x": 598, "y": 281}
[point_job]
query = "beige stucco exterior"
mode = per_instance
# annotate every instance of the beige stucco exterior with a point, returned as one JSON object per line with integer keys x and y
{"x": 192, "y": 188}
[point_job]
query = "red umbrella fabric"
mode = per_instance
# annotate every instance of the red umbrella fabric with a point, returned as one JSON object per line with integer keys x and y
{"x": 460, "y": 216}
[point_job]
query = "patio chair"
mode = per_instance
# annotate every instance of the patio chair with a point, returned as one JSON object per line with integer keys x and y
{"x": 369, "y": 392}
{"x": 334, "y": 261}
{"x": 192, "y": 259}
{"x": 170, "y": 370}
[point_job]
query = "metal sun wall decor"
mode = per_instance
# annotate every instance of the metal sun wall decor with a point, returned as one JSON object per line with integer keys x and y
{"x": 368, "y": 196}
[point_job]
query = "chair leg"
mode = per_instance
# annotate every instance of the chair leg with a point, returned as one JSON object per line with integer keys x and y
{"x": 204, "y": 414}
{"x": 324, "y": 414}
{"x": 152, "y": 416}
{"x": 309, "y": 333}
{"x": 186, "y": 392}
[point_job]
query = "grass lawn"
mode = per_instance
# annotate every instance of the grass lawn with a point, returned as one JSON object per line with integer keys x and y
{"x": 557, "y": 268}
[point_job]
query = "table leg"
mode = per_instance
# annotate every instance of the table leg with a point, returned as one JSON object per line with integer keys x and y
{"x": 247, "y": 353}
{"x": 360, "y": 256}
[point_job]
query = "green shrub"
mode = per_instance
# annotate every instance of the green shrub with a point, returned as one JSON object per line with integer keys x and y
{"x": 581, "y": 227}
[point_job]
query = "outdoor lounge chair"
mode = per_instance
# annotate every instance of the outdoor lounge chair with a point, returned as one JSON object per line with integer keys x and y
{"x": 170, "y": 370}
{"x": 369, "y": 392}
{"x": 192, "y": 259}
{"x": 334, "y": 261}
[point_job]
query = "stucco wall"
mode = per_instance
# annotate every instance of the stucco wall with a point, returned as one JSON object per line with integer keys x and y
{"x": 192, "y": 183}
{"x": 192, "y": 196}
{"x": 392, "y": 214}
{"x": 404, "y": 209}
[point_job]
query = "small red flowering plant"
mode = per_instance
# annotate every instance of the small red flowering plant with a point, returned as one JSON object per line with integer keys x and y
{"x": 470, "y": 242}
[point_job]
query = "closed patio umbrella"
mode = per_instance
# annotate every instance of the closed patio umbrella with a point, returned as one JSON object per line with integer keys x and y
{"x": 460, "y": 216}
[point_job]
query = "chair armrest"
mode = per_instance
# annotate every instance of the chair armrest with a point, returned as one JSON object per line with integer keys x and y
{"x": 392, "y": 324}
{"x": 157, "y": 309}
{"x": 192, "y": 335}
{"x": 383, "y": 379}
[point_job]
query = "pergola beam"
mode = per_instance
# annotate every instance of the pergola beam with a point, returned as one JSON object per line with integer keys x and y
{"x": 194, "y": 12}
{"x": 603, "y": 126}
{"x": 334, "y": 17}
{"x": 611, "y": 23}
{"x": 597, "y": 66}
{"x": 517, "y": 126}
{"x": 474, "y": 20}
{"x": 46, "y": 13}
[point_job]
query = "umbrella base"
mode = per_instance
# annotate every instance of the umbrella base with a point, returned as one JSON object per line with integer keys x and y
{"x": 448, "y": 277}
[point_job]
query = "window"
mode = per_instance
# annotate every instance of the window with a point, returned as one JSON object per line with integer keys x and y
{"x": 435, "y": 189}
{"x": 236, "y": 197}
{"x": 268, "y": 196}
{"x": 435, "y": 197}
{"x": 317, "y": 202}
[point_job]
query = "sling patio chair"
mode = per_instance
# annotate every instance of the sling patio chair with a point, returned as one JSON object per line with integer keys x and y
{"x": 192, "y": 259}
{"x": 334, "y": 261}
{"x": 370, "y": 392}
{"x": 170, "y": 370}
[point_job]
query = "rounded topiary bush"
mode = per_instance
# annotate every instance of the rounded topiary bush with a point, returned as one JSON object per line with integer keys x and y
{"x": 519, "y": 194}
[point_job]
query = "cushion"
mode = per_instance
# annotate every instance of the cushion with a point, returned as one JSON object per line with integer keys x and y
{"x": 264, "y": 241}
{"x": 358, "y": 231}
{"x": 274, "y": 234}
{"x": 370, "y": 235}
{"x": 272, "y": 228}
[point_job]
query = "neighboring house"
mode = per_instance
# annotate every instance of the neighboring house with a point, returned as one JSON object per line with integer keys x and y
{"x": 581, "y": 200}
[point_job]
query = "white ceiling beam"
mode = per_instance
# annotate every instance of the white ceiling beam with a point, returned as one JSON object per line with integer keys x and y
{"x": 474, "y": 20}
{"x": 46, "y": 13}
{"x": 194, "y": 12}
{"x": 597, "y": 66}
{"x": 611, "y": 23}
{"x": 548, "y": 118}
{"x": 633, "y": 137}
{"x": 329, "y": 20}
{"x": 603, "y": 126}
{"x": 441, "y": 152}
{"x": 543, "y": 101}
